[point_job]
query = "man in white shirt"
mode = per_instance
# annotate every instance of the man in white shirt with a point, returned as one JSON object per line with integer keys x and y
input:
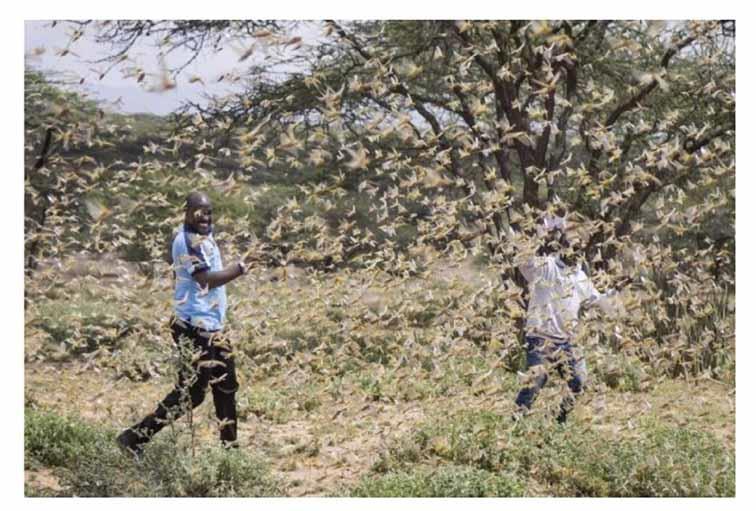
{"x": 557, "y": 289}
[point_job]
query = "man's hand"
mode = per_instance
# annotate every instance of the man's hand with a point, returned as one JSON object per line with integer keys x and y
{"x": 255, "y": 255}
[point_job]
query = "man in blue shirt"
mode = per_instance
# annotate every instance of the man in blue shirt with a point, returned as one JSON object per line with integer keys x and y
{"x": 199, "y": 312}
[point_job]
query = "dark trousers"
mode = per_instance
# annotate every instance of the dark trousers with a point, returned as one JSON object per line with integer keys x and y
{"x": 207, "y": 359}
{"x": 559, "y": 356}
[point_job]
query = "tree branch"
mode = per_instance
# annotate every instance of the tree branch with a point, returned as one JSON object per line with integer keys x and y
{"x": 635, "y": 100}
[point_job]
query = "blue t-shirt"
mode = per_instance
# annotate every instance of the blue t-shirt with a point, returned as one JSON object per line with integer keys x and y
{"x": 203, "y": 308}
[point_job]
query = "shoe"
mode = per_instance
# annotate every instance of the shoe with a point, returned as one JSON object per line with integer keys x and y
{"x": 128, "y": 443}
{"x": 230, "y": 445}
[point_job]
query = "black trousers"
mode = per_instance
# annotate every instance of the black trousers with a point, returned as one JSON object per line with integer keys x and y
{"x": 207, "y": 359}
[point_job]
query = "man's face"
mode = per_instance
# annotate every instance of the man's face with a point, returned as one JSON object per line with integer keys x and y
{"x": 200, "y": 218}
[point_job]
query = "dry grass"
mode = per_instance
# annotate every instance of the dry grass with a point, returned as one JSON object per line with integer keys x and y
{"x": 323, "y": 408}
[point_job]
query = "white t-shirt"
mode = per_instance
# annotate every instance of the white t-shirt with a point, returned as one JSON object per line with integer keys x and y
{"x": 556, "y": 293}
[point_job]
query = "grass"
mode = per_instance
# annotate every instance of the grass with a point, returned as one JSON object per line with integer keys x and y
{"x": 89, "y": 464}
{"x": 57, "y": 441}
{"x": 266, "y": 402}
{"x": 354, "y": 390}
{"x": 619, "y": 372}
{"x": 447, "y": 481}
{"x": 660, "y": 461}
{"x": 419, "y": 372}
{"x": 73, "y": 320}
{"x": 663, "y": 462}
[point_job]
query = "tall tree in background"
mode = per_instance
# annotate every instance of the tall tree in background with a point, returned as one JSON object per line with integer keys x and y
{"x": 454, "y": 135}
{"x": 606, "y": 115}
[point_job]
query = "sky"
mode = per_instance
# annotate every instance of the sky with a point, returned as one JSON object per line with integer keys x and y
{"x": 126, "y": 95}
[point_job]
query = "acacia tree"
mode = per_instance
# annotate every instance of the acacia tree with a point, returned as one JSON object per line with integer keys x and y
{"x": 605, "y": 114}
{"x": 610, "y": 116}
{"x": 461, "y": 133}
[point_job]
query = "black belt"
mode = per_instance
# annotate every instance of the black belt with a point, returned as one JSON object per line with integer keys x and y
{"x": 187, "y": 323}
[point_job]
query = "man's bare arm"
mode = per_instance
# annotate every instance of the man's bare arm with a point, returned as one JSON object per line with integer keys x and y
{"x": 213, "y": 279}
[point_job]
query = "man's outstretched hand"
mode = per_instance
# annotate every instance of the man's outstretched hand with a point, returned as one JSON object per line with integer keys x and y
{"x": 256, "y": 254}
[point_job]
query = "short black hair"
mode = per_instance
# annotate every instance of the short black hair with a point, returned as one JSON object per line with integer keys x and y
{"x": 197, "y": 200}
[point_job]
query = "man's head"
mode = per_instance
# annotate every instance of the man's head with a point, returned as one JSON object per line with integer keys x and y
{"x": 199, "y": 213}
{"x": 552, "y": 230}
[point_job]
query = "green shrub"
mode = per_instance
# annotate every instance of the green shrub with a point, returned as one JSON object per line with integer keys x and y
{"x": 372, "y": 386}
{"x": 447, "y": 481}
{"x": 376, "y": 347}
{"x": 33, "y": 491}
{"x": 663, "y": 462}
{"x": 620, "y": 372}
{"x": 469, "y": 440}
{"x": 300, "y": 339}
{"x": 57, "y": 441}
{"x": 571, "y": 461}
{"x": 264, "y": 402}
{"x": 78, "y": 323}
{"x": 214, "y": 472}
{"x": 87, "y": 333}
{"x": 89, "y": 464}
{"x": 422, "y": 315}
